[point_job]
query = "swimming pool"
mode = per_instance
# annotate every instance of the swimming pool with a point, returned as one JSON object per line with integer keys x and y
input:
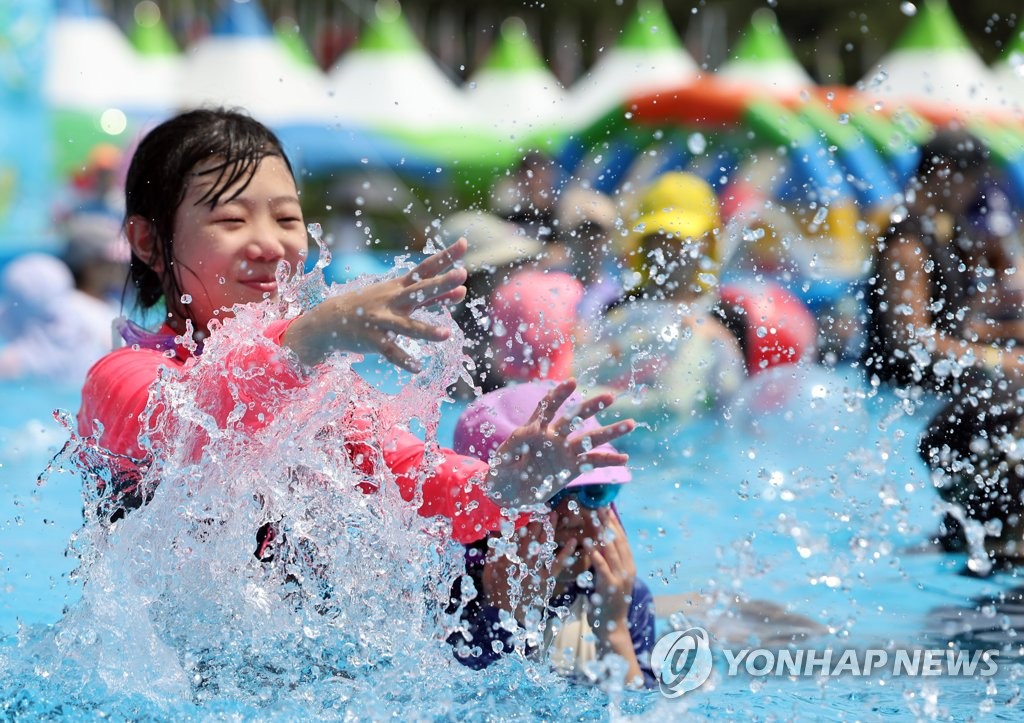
{"x": 806, "y": 494}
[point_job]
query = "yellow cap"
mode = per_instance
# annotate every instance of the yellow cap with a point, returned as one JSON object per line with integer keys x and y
{"x": 679, "y": 205}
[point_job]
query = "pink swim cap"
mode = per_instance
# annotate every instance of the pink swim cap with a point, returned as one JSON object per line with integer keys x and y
{"x": 534, "y": 316}
{"x": 489, "y": 421}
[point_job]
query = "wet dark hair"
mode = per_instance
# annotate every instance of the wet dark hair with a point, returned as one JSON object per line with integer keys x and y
{"x": 966, "y": 440}
{"x": 958, "y": 148}
{"x": 160, "y": 172}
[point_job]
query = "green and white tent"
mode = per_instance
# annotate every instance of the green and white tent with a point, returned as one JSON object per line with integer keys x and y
{"x": 388, "y": 83}
{"x": 647, "y": 59}
{"x": 242, "y": 63}
{"x": 159, "y": 57}
{"x": 515, "y": 94}
{"x": 932, "y": 65}
{"x": 763, "y": 59}
{"x": 1009, "y": 74}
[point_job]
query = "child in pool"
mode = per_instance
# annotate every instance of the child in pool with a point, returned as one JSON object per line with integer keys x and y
{"x": 612, "y": 615}
{"x": 212, "y": 209}
{"x": 664, "y": 341}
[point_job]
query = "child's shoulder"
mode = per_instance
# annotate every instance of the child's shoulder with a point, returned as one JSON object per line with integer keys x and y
{"x": 125, "y": 362}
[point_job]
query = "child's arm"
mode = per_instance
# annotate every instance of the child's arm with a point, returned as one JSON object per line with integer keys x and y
{"x": 614, "y": 580}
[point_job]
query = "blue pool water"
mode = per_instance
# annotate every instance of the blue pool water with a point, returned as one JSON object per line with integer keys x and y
{"x": 806, "y": 494}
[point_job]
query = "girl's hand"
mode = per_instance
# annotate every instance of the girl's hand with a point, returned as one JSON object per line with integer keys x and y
{"x": 544, "y": 455}
{"x": 370, "y": 319}
{"x": 614, "y": 572}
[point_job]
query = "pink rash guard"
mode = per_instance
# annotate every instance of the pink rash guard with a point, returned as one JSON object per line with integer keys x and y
{"x": 116, "y": 393}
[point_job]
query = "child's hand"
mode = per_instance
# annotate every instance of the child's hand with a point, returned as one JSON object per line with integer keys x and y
{"x": 614, "y": 576}
{"x": 541, "y": 457}
{"x": 499, "y": 570}
{"x": 370, "y": 319}
{"x": 614, "y": 572}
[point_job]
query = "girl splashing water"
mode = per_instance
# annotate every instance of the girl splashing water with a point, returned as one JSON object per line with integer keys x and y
{"x": 249, "y": 494}
{"x": 212, "y": 210}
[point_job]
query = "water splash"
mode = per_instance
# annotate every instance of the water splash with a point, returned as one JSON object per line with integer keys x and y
{"x": 343, "y": 615}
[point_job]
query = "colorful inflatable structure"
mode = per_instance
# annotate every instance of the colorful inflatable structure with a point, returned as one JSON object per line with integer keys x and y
{"x": 645, "y": 107}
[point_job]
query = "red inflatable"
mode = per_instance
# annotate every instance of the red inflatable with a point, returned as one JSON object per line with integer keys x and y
{"x": 777, "y": 327}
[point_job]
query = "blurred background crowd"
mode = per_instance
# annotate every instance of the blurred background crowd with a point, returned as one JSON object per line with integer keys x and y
{"x": 778, "y": 142}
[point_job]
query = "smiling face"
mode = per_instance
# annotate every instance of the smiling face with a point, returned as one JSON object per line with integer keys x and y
{"x": 228, "y": 254}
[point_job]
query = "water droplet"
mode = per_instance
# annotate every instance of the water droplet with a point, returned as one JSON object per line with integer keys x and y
{"x": 186, "y": 298}
{"x": 113, "y": 121}
{"x": 696, "y": 143}
{"x": 908, "y": 8}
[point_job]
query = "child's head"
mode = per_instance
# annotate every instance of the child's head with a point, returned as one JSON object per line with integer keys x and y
{"x": 535, "y": 317}
{"x": 585, "y": 221}
{"x": 675, "y": 237}
{"x": 489, "y": 421}
{"x": 197, "y": 163}
{"x": 950, "y": 170}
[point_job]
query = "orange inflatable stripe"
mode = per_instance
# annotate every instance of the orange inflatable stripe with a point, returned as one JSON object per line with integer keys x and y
{"x": 702, "y": 102}
{"x": 708, "y": 101}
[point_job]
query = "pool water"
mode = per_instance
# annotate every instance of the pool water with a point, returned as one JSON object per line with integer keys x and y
{"x": 804, "y": 500}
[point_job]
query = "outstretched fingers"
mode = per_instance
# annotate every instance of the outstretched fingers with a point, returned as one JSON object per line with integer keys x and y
{"x": 567, "y": 424}
{"x": 603, "y": 435}
{"x": 437, "y": 263}
{"x": 398, "y": 356}
{"x": 600, "y": 458}
{"x": 595, "y": 404}
{"x": 552, "y": 401}
{"x": 415, "y": 328}
{"x": 435, "y": 288}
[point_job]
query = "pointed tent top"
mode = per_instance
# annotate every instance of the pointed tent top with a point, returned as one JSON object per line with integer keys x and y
{"x": 288, "y": 34}
{"x": 934, "y": 27}
{"x": 388, "y": 32}
{"x": 245, "y": 19}
{"x": 649, "y": 28}
{"x": 763, "y": 40}
{"x": 149, "y": 35}
{"x": 78, "y": 9}
{"x": 514, "y": 50}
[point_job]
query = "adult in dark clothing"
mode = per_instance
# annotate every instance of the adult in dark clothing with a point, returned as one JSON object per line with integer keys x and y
{"x": 971, "y": 445}
{"x": 922, "y": 331}
{"x": 919, "y": 294}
